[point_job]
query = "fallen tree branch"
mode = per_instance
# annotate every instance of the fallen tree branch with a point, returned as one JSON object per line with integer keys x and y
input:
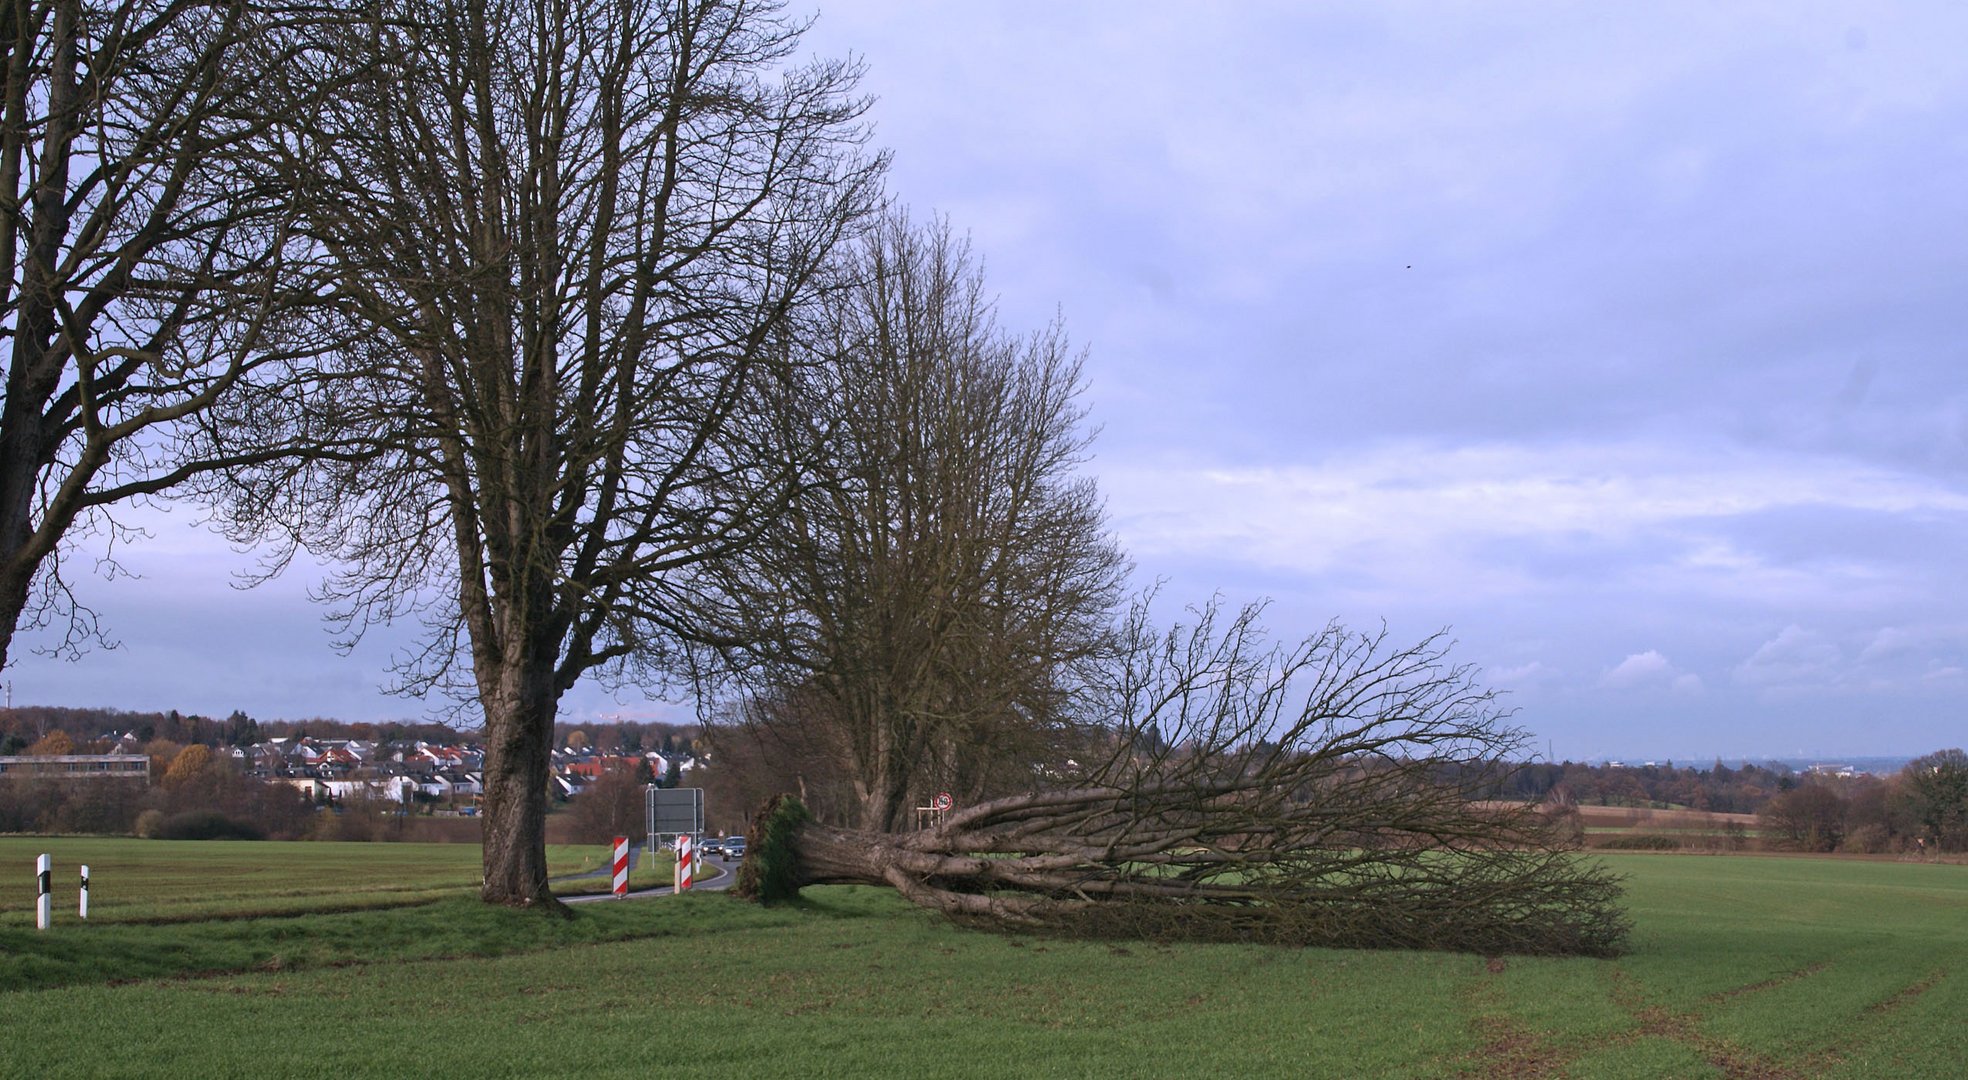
{"x": 1338, "y": 793}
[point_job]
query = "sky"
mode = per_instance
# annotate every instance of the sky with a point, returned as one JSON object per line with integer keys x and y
{"x": 1622, "y": 341}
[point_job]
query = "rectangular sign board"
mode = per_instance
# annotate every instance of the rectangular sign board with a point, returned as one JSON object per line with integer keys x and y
{"x": 675, "y": 810}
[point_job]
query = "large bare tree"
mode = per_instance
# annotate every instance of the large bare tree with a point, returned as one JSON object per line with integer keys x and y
{"x": 1337, "y": 792}
{"x": 926, "y": 612}
{"x": 141, "y": 262}
{"x": 568, "y": 237}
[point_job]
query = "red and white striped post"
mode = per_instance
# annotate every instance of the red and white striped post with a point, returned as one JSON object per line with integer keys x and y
{"x": 621, "y": 866}
{"x": 44, "y": 912}
{"x": 686, "y": 857}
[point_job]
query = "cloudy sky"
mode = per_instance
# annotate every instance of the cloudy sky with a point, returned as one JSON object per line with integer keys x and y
{"x": 1625, "y": 341}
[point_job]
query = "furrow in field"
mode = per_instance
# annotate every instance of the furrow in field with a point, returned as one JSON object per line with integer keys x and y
{"x": 1906, "y": 994}
{"x": 1733, "y": 1061}
{"x": 1772, "y": 983}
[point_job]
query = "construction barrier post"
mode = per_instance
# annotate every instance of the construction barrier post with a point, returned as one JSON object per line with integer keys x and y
{"x": 621, "y": 866}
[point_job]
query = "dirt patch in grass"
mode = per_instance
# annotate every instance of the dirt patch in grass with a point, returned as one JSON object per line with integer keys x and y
{"x": 1507, "y": 1047}
{"x": 1907, "y": 994}
{"x": 1771, "y": 983}
{"x": 1731, "y": 1060}
{"x": 1512, "y": 1050}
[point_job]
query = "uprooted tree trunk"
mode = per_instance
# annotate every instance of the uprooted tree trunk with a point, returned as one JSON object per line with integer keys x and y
{"x": 1358, "y": 816}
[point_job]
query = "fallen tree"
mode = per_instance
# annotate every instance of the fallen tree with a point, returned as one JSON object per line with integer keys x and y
{"x": 1333, "y": 793}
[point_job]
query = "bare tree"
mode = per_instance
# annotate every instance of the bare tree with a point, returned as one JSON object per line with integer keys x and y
{"x": 1333, "y": 793}
{"x": 924, "y": 615}
{"x": 141, "y": 262}
{"x": 567, "y": 239}
{"x": 1808, "y": 817}
{"x": 611, "y": 806}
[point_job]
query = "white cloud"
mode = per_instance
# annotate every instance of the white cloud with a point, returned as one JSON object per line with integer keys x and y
{"x": 1486, "y": 519}
{"x": 1794, "y": 659}
{"x": 1535, "y": 671}
{"x": 1639, "y": 669}
{"x": 1889, "y": 642}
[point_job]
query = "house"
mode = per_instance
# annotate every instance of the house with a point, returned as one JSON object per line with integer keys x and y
{"x": 593, "y": 766}
{"x": 465, "y": 784}
{"x": 435, "y": 787}
{"x": 396, "y": 789}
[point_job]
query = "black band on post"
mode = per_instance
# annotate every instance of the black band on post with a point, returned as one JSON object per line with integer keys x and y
{"x": 47, "y": 886}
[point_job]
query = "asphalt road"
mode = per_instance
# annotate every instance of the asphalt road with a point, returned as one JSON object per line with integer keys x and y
{"x": 718, "y": 874}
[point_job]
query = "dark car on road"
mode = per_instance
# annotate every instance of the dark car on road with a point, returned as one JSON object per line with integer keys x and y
{"x": 734, "y": 847}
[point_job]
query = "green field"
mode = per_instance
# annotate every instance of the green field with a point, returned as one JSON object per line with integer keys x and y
{"x": 187, "y": 880}
{"x": 1741, "y": 966}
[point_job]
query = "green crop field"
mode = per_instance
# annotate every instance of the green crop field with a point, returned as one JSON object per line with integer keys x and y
{"x": 188, "y": 880}
{"x": 1742, "y": 966}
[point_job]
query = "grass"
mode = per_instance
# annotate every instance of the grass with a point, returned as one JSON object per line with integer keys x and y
{"x": 1742, "y": 966}
{"x": 187, "y": 880}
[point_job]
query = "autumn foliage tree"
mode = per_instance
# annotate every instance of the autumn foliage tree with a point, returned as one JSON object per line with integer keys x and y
{"x": 54, "y": 744}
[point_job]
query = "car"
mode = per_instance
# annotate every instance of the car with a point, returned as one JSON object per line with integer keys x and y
{"x": 712, "y": 846}
{"x": 734, "y": 847}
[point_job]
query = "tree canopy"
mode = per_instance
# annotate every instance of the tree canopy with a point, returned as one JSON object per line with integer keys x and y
{"x": 567, "y": 240}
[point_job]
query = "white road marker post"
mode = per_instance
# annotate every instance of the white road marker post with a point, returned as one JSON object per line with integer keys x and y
{"x": 44, "y": 899}
{"x": 85, "y": 891}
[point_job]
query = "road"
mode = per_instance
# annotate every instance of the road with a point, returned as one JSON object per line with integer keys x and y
{"x": 720, "y": 873}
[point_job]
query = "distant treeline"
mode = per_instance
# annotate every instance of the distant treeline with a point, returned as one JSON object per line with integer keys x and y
{"x": 25, "y": 725}
{"x": 1717, "y": 788}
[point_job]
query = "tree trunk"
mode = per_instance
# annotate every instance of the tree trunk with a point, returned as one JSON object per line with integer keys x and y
{"x": 519, "y": 741}
{"x": 882, "y": 806}
{"x": 14, "y": 586}
{"x": 1092, "y": 862}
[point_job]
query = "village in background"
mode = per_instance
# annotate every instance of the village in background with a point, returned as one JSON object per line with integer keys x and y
{"x": 169, "y": 775}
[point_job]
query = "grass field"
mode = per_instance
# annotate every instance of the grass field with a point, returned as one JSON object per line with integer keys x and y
{"x": 1742, "y": 966}
{"x": 187, "y": 880}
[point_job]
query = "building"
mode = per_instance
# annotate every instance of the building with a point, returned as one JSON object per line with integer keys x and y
{"x": 72, "y": 766}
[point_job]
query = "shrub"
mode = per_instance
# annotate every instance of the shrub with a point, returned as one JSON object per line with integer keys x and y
{"x": 206, "y": 825}
{"x": 1870, "y": 840}
{"x": 149, "y": 824}
{"x": 1640, "y": 842}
